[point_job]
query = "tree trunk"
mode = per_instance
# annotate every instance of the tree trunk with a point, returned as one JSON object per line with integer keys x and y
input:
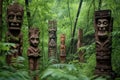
{"x": 28, "y": 12}
{"x": 1, "y": 1}
{"x": 69, "y": 16}
{"x": 79, "y": 45}
{"x": 100, "y": 4}
{"x": 72, "y": 40}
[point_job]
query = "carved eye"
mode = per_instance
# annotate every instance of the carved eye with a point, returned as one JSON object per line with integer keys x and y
{"x": 32, "y": 38}
{"x": 11, "y": 17}
{"x": 105, "y": 22}
{"x": 19, "y": 17}
{"x": 37, "y": 39}
{"x": 99, "y": 22}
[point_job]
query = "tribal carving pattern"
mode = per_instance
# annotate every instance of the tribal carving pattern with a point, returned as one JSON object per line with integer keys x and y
{"x": 103, "y": 29}
{"x": 62, "y": 49}
{"x": 52, "y": 44}
{"x": 14, "y": 22}
{"x": 33, "y": 50}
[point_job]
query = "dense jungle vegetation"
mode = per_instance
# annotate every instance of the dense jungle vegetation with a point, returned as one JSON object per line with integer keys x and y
{"x": 64, "y": 12}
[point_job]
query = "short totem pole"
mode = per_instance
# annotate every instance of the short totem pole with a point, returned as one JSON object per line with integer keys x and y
{"x": 103, "y": 37}
{"x": 62, "y": 49}
{"x": 52, "y": 44}
{"x": 79, "y": 44}
{"x": 14, "y": 21}
{"x": 33, "y": 50}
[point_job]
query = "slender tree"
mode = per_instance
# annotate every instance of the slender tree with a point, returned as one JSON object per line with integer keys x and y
{"x": 88, "y": 13}
{"x": 27, "y": 12}
{"x": 68, "y": 5}
{"x": 1, "y": 2}
{"x": 100, "y": 4}
{"x": 75, "y": 23}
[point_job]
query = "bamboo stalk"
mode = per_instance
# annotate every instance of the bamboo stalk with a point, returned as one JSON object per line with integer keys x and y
{"x": 72, "y": 39}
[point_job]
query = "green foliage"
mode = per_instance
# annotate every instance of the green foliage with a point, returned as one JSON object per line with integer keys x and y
{"x": 15, "y": 71}
{"x": 8, "y": 73}
{"x": 5, "y": 46}
{"x": 115, "y": 52}
{"x": 63, "y": 72}
{"x": 64, "y": 11}
{"x": 4, "y": 50}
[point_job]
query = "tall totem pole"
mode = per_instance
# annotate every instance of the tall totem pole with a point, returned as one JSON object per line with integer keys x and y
{"x": 52, "y": 44}
{"x": 62, "y": 49}
{"x": 33, "y": 51}
{"x": 14, "y": 21}
{"x": 103, "y": 37}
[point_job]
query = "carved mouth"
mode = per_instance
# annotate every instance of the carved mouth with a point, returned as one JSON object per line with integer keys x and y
{"x": 14, "y": 25}
{"x": 102, "y": 31}
{"x": 35, "y": 44}
{"x": 14, "y": 32}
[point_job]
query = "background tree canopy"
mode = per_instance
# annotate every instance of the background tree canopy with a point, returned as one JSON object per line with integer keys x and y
{"x": 64, "y": 12}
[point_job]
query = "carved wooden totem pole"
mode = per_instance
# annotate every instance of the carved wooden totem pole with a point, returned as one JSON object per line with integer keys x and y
{"x": 14, "y": 21}
{"x": 62, "y": 49}
{"x": 79, "y": 44}
{"x": 103, "y": 29}
{"x": 52, "y": 44}
{"x": 33, "y": 50}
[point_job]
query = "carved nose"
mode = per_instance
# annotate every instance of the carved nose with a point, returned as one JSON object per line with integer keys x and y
{"x": 15, "y": 19}
{"x": 101, "y": 25}
{"x": 36, "y": 42}
{"x": 102, "y": 28}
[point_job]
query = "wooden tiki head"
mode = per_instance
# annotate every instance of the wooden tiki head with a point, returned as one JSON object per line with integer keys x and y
{"x": 34, "y": 37}
{"x": 62, "y": 39}
{"x": 15, "y": 16}
{"x": 103, "y": 25}
{"x": 52, "y": 33}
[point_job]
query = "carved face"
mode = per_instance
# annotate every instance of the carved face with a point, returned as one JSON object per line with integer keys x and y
{"x": 62, "y": 39}
{"x": 52, "y": 43}
{"x": 52, "y": 34}
{"x": 15, "y": 16}
{"x": 14, "y": 20}
{"x": 34, "y": 40}
{"x": 102, "y": 25}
